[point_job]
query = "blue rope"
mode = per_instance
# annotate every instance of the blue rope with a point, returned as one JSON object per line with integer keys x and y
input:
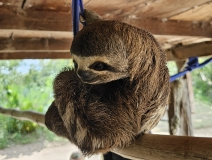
{"x": 77, "y": 10}
{"x": 191, "y": 65}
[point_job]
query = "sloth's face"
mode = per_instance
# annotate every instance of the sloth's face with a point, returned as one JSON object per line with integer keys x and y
{"x": 100, "y": 69}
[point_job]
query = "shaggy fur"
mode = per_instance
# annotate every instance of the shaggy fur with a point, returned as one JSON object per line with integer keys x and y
{"x": 125, "y": 101}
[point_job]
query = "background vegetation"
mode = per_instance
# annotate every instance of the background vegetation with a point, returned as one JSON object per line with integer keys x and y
{"x": 27, "y": 85}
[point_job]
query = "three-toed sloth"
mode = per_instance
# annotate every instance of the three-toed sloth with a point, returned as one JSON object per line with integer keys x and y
{"x": 118, "y": 89}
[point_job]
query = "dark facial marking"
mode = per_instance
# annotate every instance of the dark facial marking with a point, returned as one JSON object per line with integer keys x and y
{"x": 75, "y": 64}
{"x": 101, "y": 66}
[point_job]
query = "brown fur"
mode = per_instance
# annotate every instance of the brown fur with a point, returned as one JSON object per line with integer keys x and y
{"x": 109, "y": 114}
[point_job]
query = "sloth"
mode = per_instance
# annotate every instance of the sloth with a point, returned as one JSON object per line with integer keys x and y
{"x": 118, "y": 89}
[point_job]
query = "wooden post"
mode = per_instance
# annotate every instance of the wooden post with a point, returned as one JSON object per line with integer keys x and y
{"x": 191, "y": 92}
{"x": 174, "y": 107}
{"x": 179, "y": 112}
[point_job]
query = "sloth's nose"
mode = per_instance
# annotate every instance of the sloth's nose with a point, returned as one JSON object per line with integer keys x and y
{"x": 84, "y": 75}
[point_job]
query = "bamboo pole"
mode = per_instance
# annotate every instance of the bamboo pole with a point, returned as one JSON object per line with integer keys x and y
{"x": 164, "y": 147}
{"x": 24, "y": 115}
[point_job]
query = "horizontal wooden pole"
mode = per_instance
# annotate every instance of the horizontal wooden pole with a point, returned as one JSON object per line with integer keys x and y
{"x": 176, "y": 54}
{"x": 163, "y": 147}
{"x": 200, "y": 49}
{"x": 17, "y": 33}
{"x": 30, "y": 54}
{"x": 24, "y": 115}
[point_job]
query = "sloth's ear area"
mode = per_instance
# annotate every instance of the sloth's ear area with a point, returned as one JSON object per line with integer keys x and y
{"x": 90, "y": 17}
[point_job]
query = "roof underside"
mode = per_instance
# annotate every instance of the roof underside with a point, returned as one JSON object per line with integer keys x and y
{"x": 43, "y": 28}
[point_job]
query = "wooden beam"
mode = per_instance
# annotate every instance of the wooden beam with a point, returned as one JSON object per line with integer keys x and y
{"x": 48, "y": 5}
{"x": 171, "y": 27}
{"x": 164, "y": 147}
{"x": 24, "y": 44}
{"x": 62, "y": 21}
{"x": 31, "y": 44}
{"x": 184, "y": 52}
{"x": 11, "y": 4}
{"x": 197, "y": 13}
{"x": 34, "y": 40}
{"x": 65, "y": 53}
{"x": 143, "y": 8}
{"x": 30, "y": 54}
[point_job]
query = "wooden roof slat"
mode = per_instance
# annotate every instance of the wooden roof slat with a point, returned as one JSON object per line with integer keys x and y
{"x": 189, "y": 41}
{"x": 35, "y": 20}
{"x": 171, "y": 27}
{"x": 33, "y": 26}
{"x": 62, "y": 21}
{"x": 167, "y": 8}
{"x": 198, "y": 13}
{"x": 142, "y": 8}
{"x": 48, "y": 5}
{"x": 199, "y": 40}
{"x": 54, "y": 21}
{"x": 12, "y": 4}
{"x": 114, "y": 7}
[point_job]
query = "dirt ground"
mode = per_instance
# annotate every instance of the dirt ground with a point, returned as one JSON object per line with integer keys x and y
{"x": 44, "y": 150}
{"x": 41, "y": 150}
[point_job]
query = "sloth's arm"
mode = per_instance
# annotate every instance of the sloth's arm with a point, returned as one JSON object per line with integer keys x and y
{"x": 54, "y": 122}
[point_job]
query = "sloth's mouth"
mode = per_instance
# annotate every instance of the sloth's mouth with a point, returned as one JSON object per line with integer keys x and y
{"x": 91, "y": 81}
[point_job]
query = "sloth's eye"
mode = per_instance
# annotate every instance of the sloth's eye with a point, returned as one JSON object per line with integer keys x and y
{"x": 99, "y": 66}
{"x": 75, "y": 64}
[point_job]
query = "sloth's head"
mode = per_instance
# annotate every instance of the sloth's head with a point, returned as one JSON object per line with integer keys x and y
{"x": 99, "y": 57}
{"x": 105, "y": 51}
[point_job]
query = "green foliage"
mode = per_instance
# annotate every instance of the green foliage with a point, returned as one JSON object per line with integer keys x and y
{"x": 26, "y": 86}
{"x": 172, "y": 67}
{"x": 201, "y": 79}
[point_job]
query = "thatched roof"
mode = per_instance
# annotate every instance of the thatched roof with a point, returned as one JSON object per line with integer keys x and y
{"x": 43, "y": 28}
